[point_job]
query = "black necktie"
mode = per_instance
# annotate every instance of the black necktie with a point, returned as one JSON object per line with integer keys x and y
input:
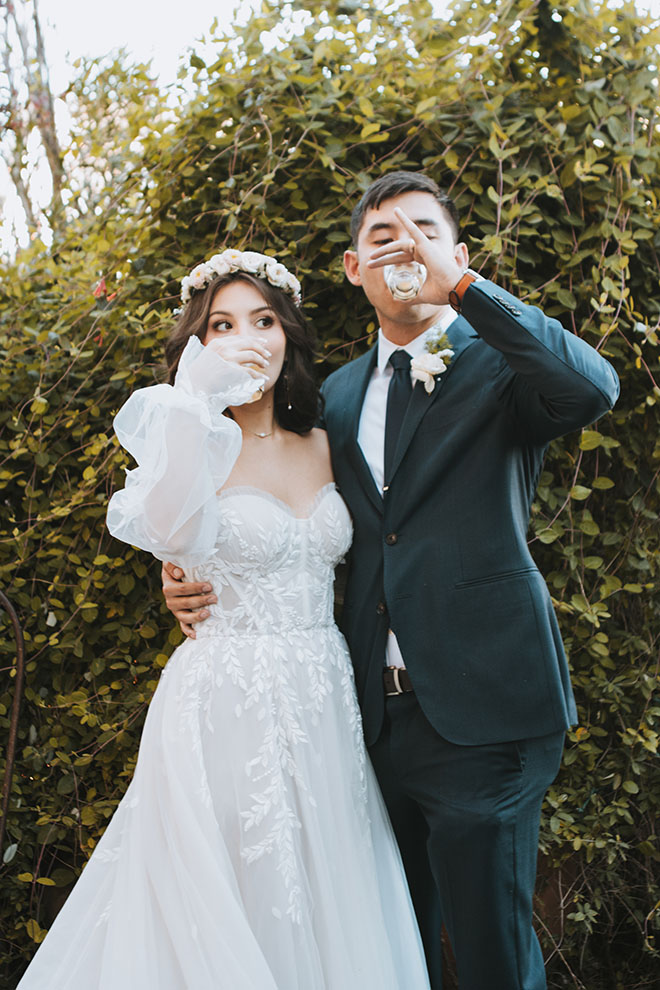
{"x": 398, "y": 397}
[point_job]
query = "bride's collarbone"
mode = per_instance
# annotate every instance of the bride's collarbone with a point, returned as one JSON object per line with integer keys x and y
{"x": 296, "y": 481}
{"x": 291, "y": 468}
{"x": 296, "y": 505}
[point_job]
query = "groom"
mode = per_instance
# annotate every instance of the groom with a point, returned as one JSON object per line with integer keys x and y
{"x": 460, "y": 671}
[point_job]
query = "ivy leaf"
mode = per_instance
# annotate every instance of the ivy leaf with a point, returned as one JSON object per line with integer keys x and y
{"x": 580, "y": 492}
{"x": 590, "y": 439}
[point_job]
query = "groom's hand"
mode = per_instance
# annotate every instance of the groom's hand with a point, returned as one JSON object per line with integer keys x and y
{"x": 186, "y": 600}
{"x": 444, "y": 259}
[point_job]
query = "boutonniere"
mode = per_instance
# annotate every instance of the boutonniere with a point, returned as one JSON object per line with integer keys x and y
{"x": 434, "y": 362}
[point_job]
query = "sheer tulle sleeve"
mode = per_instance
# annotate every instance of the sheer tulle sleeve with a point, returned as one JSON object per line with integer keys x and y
{"x": 185, "y": 449}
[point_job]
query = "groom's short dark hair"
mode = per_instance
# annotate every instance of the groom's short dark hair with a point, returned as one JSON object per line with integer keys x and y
{"x": 394, "y": 184}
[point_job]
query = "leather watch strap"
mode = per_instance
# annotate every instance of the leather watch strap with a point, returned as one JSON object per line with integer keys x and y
{"x": 461, "y": 287}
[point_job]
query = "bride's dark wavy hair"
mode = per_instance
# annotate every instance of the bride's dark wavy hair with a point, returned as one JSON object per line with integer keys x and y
{"x": 297, "y": 382}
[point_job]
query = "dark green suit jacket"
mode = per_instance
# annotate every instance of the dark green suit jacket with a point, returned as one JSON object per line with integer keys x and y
{"x": 442, "y": 557}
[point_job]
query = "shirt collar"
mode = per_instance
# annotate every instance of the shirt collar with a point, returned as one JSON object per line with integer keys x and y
{"x": 415, "y": 347}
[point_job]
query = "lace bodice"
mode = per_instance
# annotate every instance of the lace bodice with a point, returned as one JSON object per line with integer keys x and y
{"x": 173, "y": 504}
{"x": 272, "y": 570}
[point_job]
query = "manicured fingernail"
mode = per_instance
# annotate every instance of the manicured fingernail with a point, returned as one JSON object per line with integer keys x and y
{"x": 207, "y": 587}
{"x": 178, "y": 572}
{"x": 204, "y": 613}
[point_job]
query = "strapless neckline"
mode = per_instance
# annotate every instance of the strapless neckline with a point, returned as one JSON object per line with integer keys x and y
{"x": 311, "y": 509}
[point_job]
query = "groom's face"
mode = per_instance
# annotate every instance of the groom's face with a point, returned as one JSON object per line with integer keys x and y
{"x": 380, "y": 225}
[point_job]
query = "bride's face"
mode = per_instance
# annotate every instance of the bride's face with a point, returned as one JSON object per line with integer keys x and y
{"x": 240, "y": 315}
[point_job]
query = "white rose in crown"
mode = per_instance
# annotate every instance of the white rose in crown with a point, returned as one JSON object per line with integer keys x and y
{"x": 293, "y": 287}
{"x": 277, "y": 274}
{"x": 219, "y": 265}
{"x": 232, "y": 257}
{"x": 199, "y": 277}
{"x": 434, "y": 362}
{"x": 254, "y": 263}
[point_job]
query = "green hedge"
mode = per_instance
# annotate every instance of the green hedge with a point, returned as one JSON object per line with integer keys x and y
{"x": 540, "y": 120}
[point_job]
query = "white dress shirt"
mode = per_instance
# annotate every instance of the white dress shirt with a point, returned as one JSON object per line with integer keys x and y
{"x": 371, "y": 430}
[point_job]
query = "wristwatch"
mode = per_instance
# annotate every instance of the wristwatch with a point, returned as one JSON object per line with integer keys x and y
{"x": 465, "y": 281}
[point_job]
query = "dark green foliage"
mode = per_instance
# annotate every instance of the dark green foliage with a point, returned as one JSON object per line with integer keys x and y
{"x": 542, "y": 121}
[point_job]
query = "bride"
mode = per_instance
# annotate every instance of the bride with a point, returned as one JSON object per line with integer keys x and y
{"x": 251, "y": 850}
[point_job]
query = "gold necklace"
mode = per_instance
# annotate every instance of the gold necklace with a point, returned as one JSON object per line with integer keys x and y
{"x": 261, "y": 436}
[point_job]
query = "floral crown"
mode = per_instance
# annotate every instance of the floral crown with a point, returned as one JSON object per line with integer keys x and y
{"x": 250, "y": 262}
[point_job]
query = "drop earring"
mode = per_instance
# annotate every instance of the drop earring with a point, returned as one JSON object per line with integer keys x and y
{"x": 286, "y": 388}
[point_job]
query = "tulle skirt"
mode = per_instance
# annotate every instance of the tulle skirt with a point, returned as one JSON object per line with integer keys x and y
{"x": 252, "y": 850}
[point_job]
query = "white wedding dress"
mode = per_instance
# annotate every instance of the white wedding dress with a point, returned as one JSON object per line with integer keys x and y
{"x": 251, "y": 851}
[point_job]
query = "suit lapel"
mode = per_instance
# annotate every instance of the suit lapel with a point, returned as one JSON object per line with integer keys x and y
{"x": 461, "y": 336}
{"x": 355, "y": 391}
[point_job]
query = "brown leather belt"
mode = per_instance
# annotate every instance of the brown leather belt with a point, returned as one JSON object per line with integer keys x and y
{"x": 396, "y": 681}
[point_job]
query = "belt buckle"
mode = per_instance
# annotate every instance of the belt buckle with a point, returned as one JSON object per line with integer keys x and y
{"x": 397, "y": 683}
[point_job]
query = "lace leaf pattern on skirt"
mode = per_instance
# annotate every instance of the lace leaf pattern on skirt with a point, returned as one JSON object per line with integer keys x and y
{"x": 283, "y": 656}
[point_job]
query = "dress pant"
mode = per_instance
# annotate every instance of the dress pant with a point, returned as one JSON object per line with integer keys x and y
{"x": 467, "y": 821}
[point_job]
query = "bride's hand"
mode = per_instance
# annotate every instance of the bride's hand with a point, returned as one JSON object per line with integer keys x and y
{"x": 249, "y": 351}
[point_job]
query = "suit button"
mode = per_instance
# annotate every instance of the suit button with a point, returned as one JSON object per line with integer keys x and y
{"x": 391, "y": 539}
{"x": 381, "y": 608}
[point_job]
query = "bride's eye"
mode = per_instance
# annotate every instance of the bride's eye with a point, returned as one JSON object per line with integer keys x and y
{"x": 221, "y": 325}
{"x": 264, "y": 322}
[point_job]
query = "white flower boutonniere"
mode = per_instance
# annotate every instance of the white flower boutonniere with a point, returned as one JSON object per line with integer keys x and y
{"x": 434, "y": 362}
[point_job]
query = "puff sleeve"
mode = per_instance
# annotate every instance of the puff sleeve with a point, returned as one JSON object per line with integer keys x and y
{"x": 185, "y": 449}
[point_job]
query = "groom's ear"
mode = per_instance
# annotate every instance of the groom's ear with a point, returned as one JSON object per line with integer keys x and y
{"x": 461, "y": 254}
{"x": 352, "y": 267}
